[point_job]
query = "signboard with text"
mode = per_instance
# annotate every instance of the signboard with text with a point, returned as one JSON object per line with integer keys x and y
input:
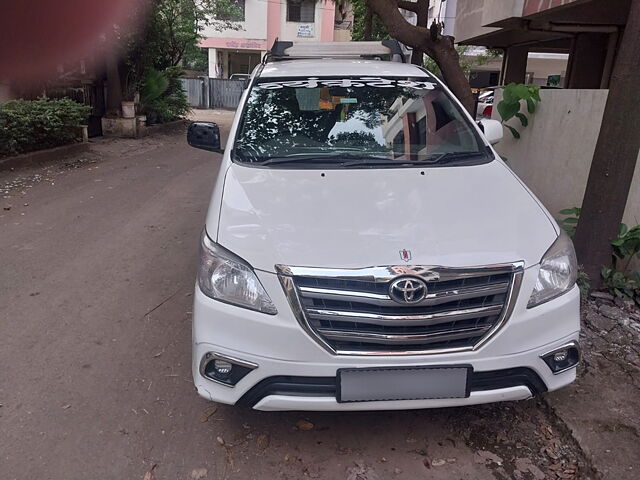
{"x": 305, "y": 30}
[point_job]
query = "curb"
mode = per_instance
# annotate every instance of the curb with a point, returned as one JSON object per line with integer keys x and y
{"x": 592, "y": 471}
{"x": 40, "y": 157}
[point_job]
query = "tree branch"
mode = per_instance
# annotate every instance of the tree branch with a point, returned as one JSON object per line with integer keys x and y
{"x": 438, "y": 47}
{"x": 398, "y": 27}
{"x": 408, "y": 5}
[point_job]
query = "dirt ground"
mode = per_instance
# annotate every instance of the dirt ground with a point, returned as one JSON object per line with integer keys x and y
{"x": 97, "y": 266}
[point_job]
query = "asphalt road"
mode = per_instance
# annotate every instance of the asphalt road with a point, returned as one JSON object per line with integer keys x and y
{"x": 97, "y": 267}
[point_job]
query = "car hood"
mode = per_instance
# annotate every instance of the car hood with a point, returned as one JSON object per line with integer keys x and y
{"x": 450, "y": 216}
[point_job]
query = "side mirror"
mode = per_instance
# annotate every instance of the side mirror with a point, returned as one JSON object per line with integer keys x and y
{"x": 492, "y": 130}
{"x": 204, "y": 135}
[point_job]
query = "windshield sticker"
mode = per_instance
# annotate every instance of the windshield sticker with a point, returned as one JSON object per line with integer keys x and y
{"x": 348, "y": 100}
{"x": 315, "y": 82}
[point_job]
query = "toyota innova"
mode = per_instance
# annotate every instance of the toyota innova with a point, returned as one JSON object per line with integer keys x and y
{"x": 365, "y": 247}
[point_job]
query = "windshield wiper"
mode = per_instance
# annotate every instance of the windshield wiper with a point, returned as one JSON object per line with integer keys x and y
{"x": 330, "y": 159}
{"x": 297, "y": 159}
{"x": 375, "y": 162}
{"x": 448, "y": 156}
{"x": 434, "y": 159}
{"x": 356, "y": 160}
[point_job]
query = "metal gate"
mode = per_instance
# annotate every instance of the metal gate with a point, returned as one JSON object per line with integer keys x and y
{"x": 197, "y": 90}
{"x": 204, "y": 92}
{"x": 225, "y": 93}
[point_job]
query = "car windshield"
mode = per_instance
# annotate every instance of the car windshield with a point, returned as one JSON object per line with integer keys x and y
{"x": 354, "y": 121}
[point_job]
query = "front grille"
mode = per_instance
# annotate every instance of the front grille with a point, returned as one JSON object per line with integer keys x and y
{"x": 352, "y": 312}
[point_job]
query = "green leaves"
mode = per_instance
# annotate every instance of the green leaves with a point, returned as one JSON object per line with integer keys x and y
{"x": 621, "y": 285}
{"x": 571, "y": 211}
{"x": 509, "y": 107}
{"x": 507, "y": 110}
{"x": 570, "y": 223}
{"x": 162, "y": 96}
{"x": 531, "y": 106}
{"x": 523, "y": 119}
{"x": 153, "y": 86}
{"x": 627, "y": 244}
{"x": 514, "y": 132}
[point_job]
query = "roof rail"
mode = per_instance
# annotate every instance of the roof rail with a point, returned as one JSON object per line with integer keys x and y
{"x": 285, "y": 50}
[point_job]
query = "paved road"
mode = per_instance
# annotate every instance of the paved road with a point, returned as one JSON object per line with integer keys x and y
{"x": 97, "y": 265}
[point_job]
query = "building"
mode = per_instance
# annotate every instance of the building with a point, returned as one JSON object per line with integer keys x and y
{"x": 553, "y": 155}
{"x": 543, "y": 68}
{"x": 587, "y": 31}
{"x": 264, "y": 21}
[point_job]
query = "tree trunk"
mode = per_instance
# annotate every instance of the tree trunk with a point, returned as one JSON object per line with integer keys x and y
{"x": 446, "y": 56}
{"x": 114, "y": 85}
{"x": 417, "y": 56}
{"x": 441, "y": 48}
{"x": 614, "y": 159}
{"x": 422, "y": 20}
{"x": 368, "y": 24}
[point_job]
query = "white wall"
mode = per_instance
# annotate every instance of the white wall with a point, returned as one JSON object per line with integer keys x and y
{"x": 471, "y": 15}
{"x": 554, "y": 155}
{"x": 254, "y": 26}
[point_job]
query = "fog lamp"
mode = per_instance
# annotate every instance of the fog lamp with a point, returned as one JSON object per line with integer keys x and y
{"x": 223, "y": 369}
{"x": 560, "y": 356}
{"x": 563, "y": 358}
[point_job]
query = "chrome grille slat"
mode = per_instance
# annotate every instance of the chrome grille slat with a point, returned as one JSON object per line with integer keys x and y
{"x": 404, "y": 320}
{"x": 382, "y": 299}
{"x": 421, "y": 339}
{"x": 351, "y": 312}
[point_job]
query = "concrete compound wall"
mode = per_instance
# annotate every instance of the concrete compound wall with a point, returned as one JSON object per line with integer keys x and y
{"x": 553, "y": 155}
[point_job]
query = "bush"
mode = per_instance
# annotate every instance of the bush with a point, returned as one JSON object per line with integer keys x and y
{"x": 27, "y": 125}
{"x": 162, "y": 96}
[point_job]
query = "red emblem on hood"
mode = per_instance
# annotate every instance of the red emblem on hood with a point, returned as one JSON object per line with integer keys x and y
{"x": 405, "y": 255}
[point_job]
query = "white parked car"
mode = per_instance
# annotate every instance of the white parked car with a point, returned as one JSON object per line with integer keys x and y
{"x": 366, "y": 248}
{"x": 484, "y": 107}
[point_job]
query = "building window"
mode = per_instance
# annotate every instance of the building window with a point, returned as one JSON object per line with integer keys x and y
{"x": 301, "y": 11}
{"x": 231, "y": 11}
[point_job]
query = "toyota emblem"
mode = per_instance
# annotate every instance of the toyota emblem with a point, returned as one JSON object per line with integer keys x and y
{"x": 408, "y": 290}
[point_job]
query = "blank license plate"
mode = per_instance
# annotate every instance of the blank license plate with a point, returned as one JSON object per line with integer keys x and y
{"x": 403, "y": 383}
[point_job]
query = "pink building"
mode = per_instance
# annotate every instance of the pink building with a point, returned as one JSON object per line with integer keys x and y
{"x": 262, "y": 21}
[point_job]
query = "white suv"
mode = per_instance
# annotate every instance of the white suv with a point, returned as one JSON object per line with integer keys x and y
{"x": 366, "y": 248}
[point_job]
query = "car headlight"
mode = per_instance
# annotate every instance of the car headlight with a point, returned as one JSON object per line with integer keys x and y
{"x": 558, "y": 272}
{"x": 226, "y": 277}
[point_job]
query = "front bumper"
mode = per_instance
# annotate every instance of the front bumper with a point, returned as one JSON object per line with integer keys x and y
{"x": 282, "y": 350}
